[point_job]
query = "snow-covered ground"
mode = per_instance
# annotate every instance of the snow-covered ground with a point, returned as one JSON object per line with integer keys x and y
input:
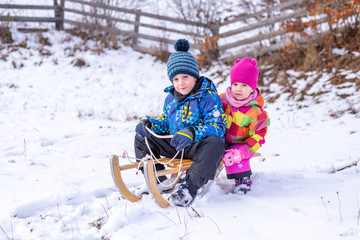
{"x": 60, "y": 124}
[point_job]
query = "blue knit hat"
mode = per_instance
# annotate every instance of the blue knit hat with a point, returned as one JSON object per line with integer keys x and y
{"x": 182, "y": 61}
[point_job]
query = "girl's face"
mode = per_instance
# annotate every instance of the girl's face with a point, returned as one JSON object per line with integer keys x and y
{"x": 184, "y": 83}
{"x": 240, "y": 91}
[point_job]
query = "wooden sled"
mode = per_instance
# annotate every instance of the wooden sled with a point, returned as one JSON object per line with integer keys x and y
{"x": 173, "y": 169}
{"x": 150, "y": 178}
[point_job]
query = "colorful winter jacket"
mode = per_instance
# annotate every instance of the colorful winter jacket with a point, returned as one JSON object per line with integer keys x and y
{"x": 246, "y": 125}
{"x": 201, "y": 110}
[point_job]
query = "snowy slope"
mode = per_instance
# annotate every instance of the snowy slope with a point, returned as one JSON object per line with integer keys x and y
{"x": 60, "y": 124}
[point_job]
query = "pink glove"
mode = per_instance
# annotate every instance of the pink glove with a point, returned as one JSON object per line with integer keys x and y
{"x": 231, "y": 156}
{"x": 235, "y": 154}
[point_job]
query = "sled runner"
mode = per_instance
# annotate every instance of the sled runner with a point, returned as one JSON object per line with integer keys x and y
{"x": 118, "y": 180}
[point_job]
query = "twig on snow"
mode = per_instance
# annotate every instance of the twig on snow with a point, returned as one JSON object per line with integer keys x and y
{"x": 83, "y": 211}
{"x": 178, "y": 214}
{"x": 72, "y": 231}
{"x": 215, "y": 224}
{"x": 196, "y": 213}
{"x": 167, "y": 217}
{"x": 12, "y": 230}
{"x": 322, "y": 199}
{"x": 188, "y": 213}
{"x": 107, "y": 204}
{"x": 339, "y": 206}
{"x": 105, "y": 210}
{"x": 357, "y": 200}
{"x": 57, "y": 205}
{"x": 125, "y": 207}
{"x": 5, "y": 233}
{"x": 25, "y": 152}
{"x": 77, "y": 226}
{"x": 186, "y": 229}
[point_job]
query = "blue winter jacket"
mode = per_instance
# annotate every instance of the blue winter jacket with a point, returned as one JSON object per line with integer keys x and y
{"x": 202, "y": 111}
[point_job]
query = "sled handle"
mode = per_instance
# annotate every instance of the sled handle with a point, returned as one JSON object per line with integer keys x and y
{"x": 156, "y": 135}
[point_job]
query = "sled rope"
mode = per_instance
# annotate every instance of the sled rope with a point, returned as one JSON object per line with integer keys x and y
{"x": 153, "y": 158}
{"x": 126, "y": 155}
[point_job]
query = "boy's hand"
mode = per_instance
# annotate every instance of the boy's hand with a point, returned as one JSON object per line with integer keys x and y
{"x": 181, "y": 139}
{"x": 141, "y": 130}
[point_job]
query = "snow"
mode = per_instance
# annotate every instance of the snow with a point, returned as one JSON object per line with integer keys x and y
{"x": 60, "y": 125}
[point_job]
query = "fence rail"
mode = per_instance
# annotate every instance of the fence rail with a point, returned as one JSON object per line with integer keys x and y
{"x": 37, "y": 7}
{"x": 160, "y": 32}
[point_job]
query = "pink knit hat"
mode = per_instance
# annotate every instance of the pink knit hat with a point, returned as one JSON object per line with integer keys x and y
{"x": 245, "y": 71}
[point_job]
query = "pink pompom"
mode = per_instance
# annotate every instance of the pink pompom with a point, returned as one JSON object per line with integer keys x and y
{"x": 253, "y": 61}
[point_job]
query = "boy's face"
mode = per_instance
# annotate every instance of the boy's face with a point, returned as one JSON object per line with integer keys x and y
{"x": 240, "y": 91}
{"x": 184, "y": 83}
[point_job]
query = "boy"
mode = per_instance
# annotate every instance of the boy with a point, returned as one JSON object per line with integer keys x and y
{"x": 193, "y": 114}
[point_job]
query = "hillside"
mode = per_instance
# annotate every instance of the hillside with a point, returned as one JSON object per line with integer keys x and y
{"x": 66, "y": 108}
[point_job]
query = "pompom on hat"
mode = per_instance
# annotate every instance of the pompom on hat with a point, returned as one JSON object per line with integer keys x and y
{"x": 182, "y": 61}
{"x": 245, "y": 71}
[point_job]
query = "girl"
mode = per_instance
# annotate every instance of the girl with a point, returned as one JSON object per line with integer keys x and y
{"x": 247, "y": 122}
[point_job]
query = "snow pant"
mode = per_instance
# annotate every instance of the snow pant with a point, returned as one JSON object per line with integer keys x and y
{"x": 206, "y": 156}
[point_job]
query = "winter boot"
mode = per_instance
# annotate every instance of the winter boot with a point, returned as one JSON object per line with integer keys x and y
{"x": 162, "y": 186}
{"x": 184, "y": 196}
{"x": 242, "y": 184}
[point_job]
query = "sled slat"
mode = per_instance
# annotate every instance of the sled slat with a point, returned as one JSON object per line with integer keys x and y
{"x": 185, "y": 162}
{"x": 130, "y": 166}
{"x": 172, "y": 170}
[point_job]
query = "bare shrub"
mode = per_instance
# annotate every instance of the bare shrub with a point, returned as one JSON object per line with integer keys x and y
{"x": 103, "y": 28}
{"x": 43, "y": 40}
{"x": 5, "y": 35}
{"x": 207, "y": 13}
{"x": 79, "y": 63}
{"x": 312, "y": 59}
{"x": 161, "y": 55}
{"x": 198, "y": 11}
{"x": 343, "y": 21}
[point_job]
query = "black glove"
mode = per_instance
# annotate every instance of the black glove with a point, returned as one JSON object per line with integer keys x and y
{"x": 141, "y": 130}
{"x": 182, "y": 138}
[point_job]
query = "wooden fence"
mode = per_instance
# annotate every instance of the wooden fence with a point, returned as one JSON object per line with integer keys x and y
{"x": 150, "y": 32}
{"x": 58, "y": 17}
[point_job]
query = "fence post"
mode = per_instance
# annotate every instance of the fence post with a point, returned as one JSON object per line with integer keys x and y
{"x": 59, "y": 14}
{"x": 214, "y": 28}
{"x": 136, "y": 27}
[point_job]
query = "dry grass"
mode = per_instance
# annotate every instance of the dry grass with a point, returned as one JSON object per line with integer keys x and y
{"x": 161, "y": 54}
